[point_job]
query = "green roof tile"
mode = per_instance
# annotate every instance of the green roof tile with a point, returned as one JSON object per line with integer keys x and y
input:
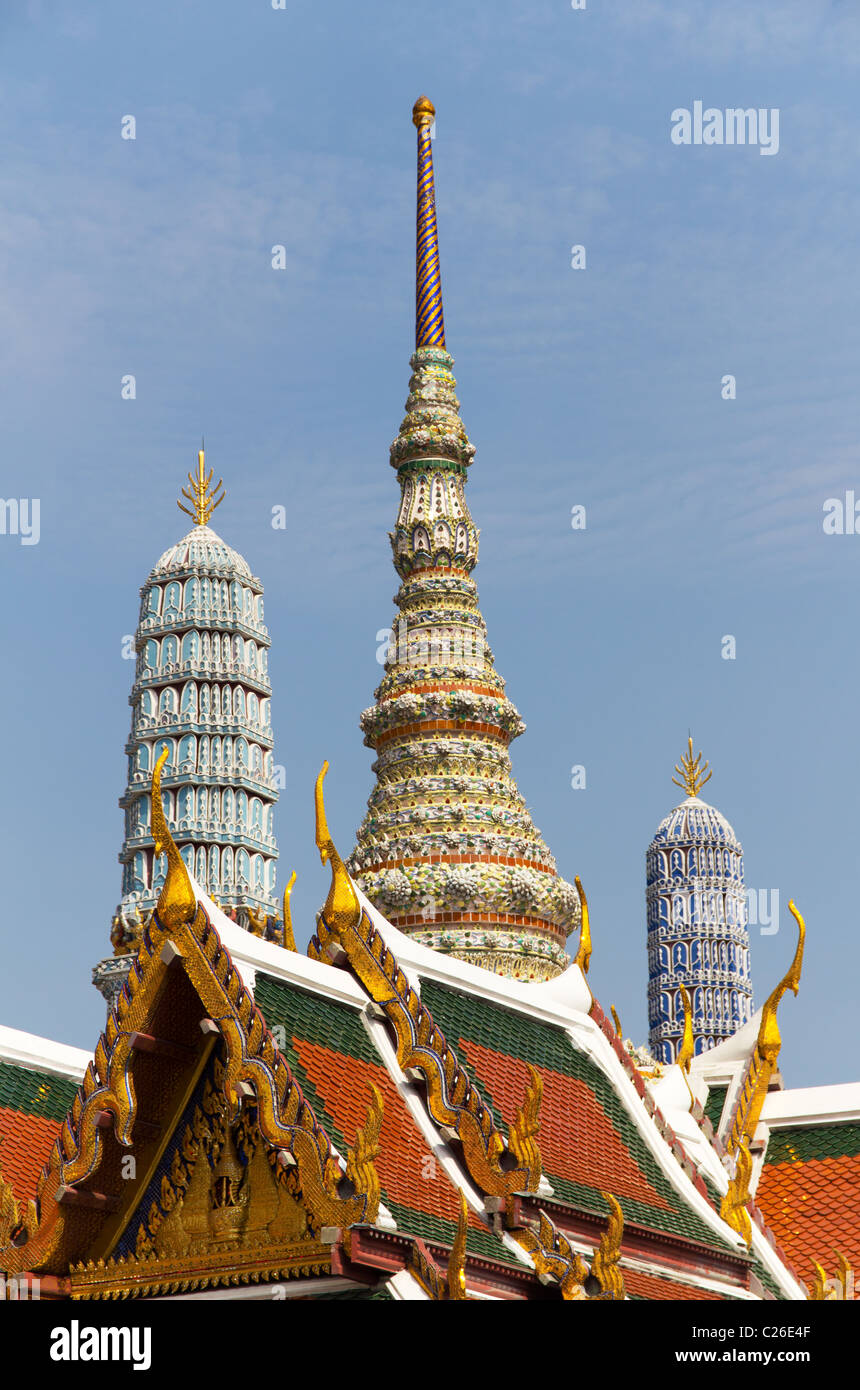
{"x": 465, "y": 1017}
{"x": 799, "y": 1143}
{"x": 714, "y": 1104}
{"x": 35, "y": 1092}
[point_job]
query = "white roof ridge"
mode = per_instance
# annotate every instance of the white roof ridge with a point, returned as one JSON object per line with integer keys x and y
{"x": 35, "y": 1053}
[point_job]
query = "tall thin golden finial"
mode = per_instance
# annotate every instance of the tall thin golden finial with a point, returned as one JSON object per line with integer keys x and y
{"x": 457, "y": 1258}
{"x": 583, "y": 955}
{"x": 177, "y": 902}
{"x": 769, "y": 1041}
{"x": 289, "y": 935}
{"x": 342, "y": 910}
{"x": 692, "y": 771}
{"x": 202, "y": 496}
{"x": 429, "y": 318}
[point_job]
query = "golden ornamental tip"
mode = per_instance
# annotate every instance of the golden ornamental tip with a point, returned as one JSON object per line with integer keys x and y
{"x": 177, "y": 902}
{"x": 693, "y": 772}
{"x": 200, "y": 493}
{"x": 457, "y": 1257}
{"x": 583, "y": 955}
{"x": 342, "y": 910}
{"x": 687, "y": 1049}
{"x": 289, "y": 935}
{"x": 423, "y": 112}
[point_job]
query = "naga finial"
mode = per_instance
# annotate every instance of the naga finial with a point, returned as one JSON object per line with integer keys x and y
{"x": 524, "y": 1129}
{"x": 605, "y": 1264}
{"x": 342, "y": 911}
{"x": 289, "y": 934}
{"x": 177, "y": 902}
{"x": 583, "y": 955}
{"x": 457, "y": 1258}
{"x": 688, "y": 1043}
{"x": 202, "y": 496}
{"x": 769, "y": 1039}
{"x": 733, "y": 1208}
{"x": 692, "y": 771}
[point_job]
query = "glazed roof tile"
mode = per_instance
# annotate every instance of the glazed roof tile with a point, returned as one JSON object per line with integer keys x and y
{"x": 588, "y": 1140}
{"x": 808, "y": 1193}
{"x": 27, "y": 1141}
{"x": 35, "y": 1092}
{"x": 33, "y": 1105}
{"x": 334, "y": 1061}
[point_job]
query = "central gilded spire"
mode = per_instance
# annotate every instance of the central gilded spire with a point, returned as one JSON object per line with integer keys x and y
{"x": 429, "y": 318}
{"x": 448, "y": 850}
{"x": 202, "y": 495}
{"x": 694, "y": 773}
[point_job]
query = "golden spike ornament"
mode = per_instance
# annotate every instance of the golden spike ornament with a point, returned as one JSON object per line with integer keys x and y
{"x": 766, "y": 1053}
{"x": 769, "y": 1039}
{"x": 200, "y": 493}
{"x": 9, "y": 1213}
{"x": 583, "y": 955}
{"x": 177, "y": 903}
{"x": 688, "y": 1043}
{"x": 289, "y": 934}
{"x": 361, "y": 1175}
{"x": 616, "y": 1020}
{"x": 605, "y": 1264}
{"x": 525, "y": 1126}
{"x": 837, "y": 1289}
{"x": 457, "y": 1258}
{"x": 845, "y": 1275}
{"x": 342, "y": 911}
{"x": 692, "y": 771}
{"x": 819, "y": 1284}
{"x": 733, "y": 1208}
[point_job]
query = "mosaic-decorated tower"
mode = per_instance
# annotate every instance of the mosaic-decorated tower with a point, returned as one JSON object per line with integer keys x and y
{"x": 447, "y": 849}
{"x": 697, "y": 934}
{"x": 201, "y": 690}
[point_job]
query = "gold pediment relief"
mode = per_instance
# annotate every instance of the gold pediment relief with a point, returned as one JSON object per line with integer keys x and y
{"x": 222, "y": 1193}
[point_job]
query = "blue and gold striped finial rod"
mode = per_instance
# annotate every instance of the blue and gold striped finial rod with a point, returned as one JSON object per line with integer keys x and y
{"x": 429, "y": 319}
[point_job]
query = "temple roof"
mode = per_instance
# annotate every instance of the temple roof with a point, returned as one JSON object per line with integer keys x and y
{"x": 314, "y": 1031}
{"x": 38, "y": 1081}
{"x": 808, "y": 1187}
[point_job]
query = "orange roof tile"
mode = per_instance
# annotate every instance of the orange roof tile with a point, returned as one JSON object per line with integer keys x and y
{"x": 811, "y": 1206}
{"x": 27, "y": 1141}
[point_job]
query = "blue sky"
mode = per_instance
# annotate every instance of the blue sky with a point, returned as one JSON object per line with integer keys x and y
{"x": 599, "y": 387}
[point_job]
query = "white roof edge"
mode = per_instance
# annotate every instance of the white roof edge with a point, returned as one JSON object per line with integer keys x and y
{"x": 726, "y": 1055}
{"x": 251, "y": 953}
{"x": 572, "y": 1009}
{"x": 42, "y": 1054}
{"x": 813, "y": 1105}
{"x": 556, "y": 1000}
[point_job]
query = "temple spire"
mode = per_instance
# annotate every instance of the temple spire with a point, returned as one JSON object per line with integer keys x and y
{"x": 448, "y": 850}
{"x": 698, "y": 944}
{"x": 429, "y": 318}
{"x": 692, "y": 771}
{"x": 202, "y": 496}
